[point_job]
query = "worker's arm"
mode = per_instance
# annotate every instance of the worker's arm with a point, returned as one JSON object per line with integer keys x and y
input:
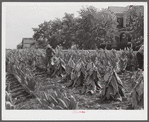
{"x": 53, "y": 51}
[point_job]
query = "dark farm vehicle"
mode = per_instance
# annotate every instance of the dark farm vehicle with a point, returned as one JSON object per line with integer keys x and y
{"x": 123, "y": 41}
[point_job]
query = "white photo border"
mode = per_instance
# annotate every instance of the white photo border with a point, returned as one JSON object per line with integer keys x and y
{"x": 75, "y": 114}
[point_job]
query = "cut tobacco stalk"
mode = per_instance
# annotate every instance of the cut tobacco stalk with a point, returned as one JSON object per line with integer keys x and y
{"x": 113, "y": 89}
{"x": 137, "y": 93}
{"x": 92, "y": 79}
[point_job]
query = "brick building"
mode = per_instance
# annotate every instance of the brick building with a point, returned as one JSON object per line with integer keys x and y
{"x": 121, "y": 15}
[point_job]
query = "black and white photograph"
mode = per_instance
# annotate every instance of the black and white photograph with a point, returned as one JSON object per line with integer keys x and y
{"x": 74, "y": 60}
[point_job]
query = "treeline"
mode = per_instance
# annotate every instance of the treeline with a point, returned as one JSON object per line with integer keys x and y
{"x": 91, "y": 28}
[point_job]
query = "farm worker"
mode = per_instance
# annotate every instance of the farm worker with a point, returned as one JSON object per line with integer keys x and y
{"x": 133, "y": 43}
{"x": 141, "y": 39}
{"x": 140, "y": 56}
{"x": 130, "y": 45}
{"x": 49, "y": 54}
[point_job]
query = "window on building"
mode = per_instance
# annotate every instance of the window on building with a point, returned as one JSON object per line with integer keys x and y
{"x": 120, "y": 22}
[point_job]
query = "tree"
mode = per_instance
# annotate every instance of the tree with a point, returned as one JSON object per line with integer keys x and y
{"x": 135, "y": 25}
{"x": 98, "y": 26}
{"x": 88, "y": 30}
{"x": 135, "y": 20}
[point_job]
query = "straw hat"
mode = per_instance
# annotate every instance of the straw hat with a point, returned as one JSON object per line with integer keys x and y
{"x": 141, "y": 49}
{"x": 48, "y": 46}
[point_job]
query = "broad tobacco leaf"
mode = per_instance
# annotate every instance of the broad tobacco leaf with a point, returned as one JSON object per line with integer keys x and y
{"x": 78, "y": 67}
{"x": 89, "y": 66}
{"x": 71, "y": 63}
{"x": 106, "y": 77}
{"x": 114, "y": 83}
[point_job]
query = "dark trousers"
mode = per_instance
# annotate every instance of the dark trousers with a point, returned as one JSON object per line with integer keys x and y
{"x": 48, "y": 61}
{"x": 140, "y": 60}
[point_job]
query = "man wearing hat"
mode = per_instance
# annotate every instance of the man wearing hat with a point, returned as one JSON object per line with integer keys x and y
{"x": 49, "y": 54}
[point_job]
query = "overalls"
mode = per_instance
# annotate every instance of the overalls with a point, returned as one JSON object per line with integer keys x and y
{"x": 140, "y": 57}
{"x": 49, "y": 52}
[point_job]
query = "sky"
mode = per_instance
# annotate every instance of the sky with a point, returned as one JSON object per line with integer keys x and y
{"x": 18, "y": 19}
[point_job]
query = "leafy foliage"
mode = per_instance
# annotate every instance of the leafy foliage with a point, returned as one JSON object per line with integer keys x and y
{"x": 87, "y": 69}
{"x": 114, "y": 88}
{"x": 135, "y": 25}
{"x": 8, "y": 101}
{"x": 135, "y": 20}
{"x": 57, "y": 100}
{"x": 22, "y": 82}
{"x": 91, "y": 26}
{"x": 95, "y": 72}
{"x": 137, "y": 93}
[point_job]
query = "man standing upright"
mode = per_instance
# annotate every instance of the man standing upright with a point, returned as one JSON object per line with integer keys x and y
{"x": 49, "y": 54}
{"x": 140, "y": 56}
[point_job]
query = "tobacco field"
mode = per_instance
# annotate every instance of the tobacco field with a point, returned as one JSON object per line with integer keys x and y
{"x": 81, "y": 80}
